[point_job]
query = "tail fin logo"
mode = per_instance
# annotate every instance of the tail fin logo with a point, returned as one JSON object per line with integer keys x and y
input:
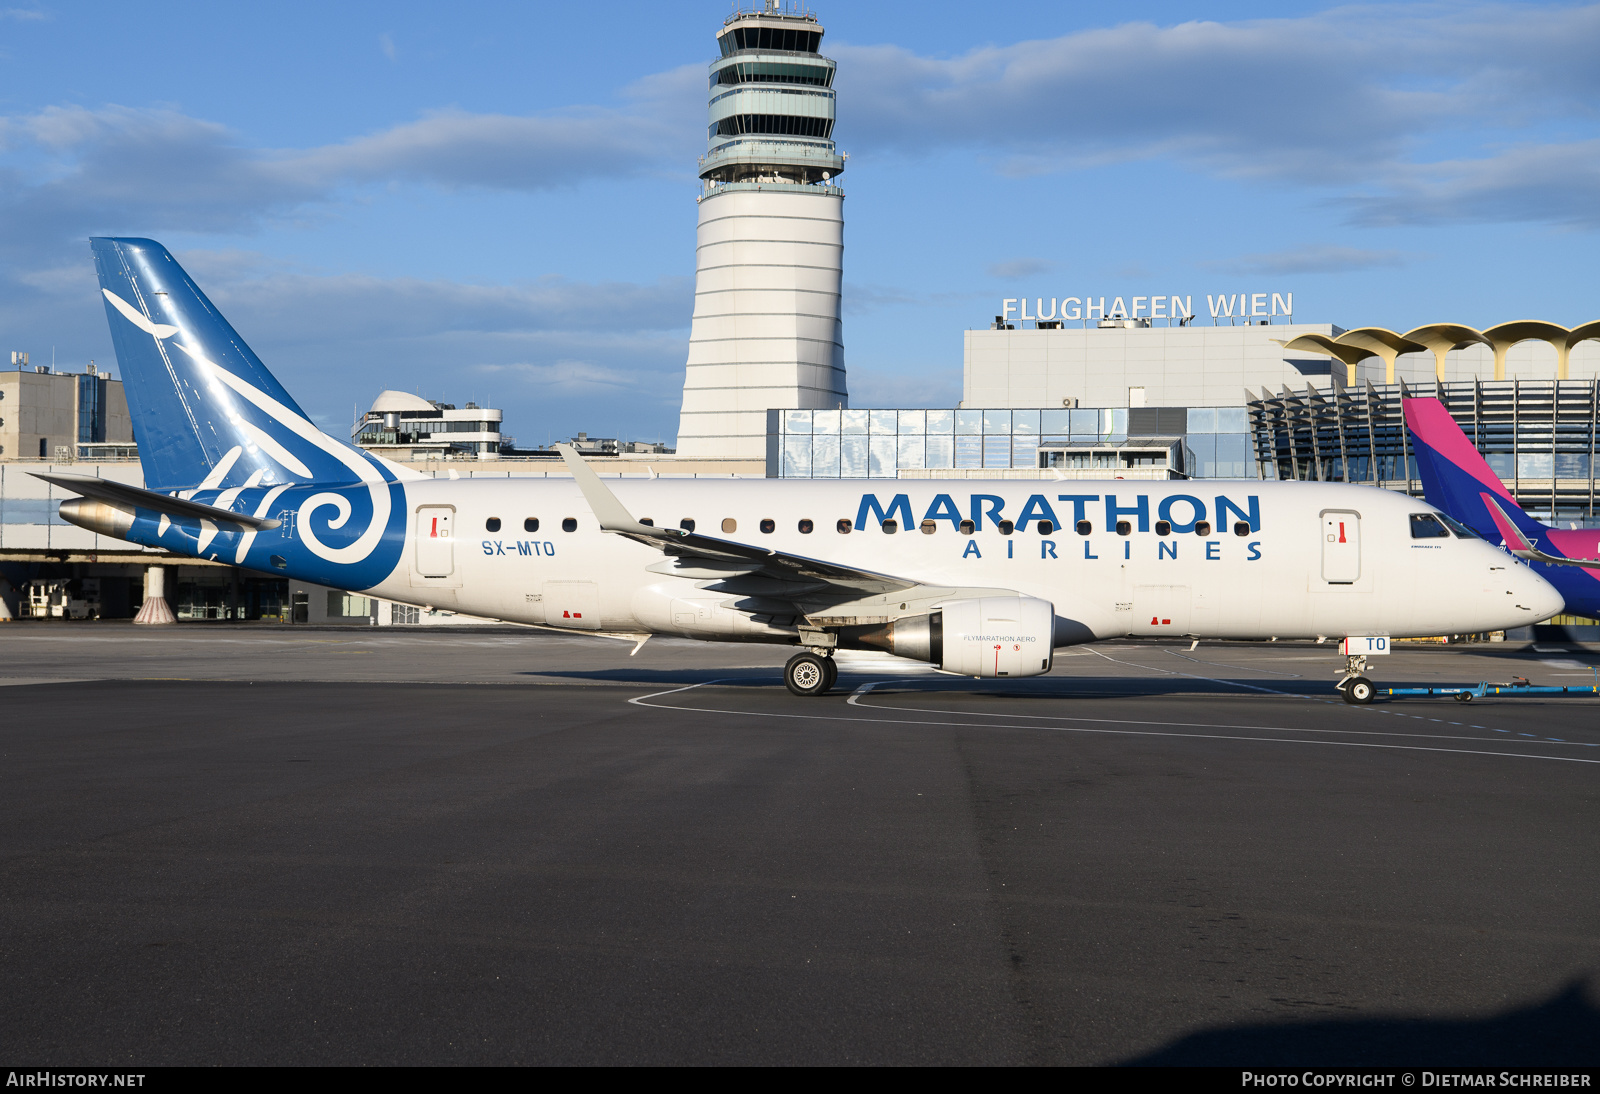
{"x": 158, "y": 331}
{"x": 352, "y": 463}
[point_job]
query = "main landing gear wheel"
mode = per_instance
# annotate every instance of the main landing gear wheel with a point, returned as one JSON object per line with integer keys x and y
{"x": 833, "y": 673}
{"x": 807, "y": 674}
{"x": 1359, "y": 690}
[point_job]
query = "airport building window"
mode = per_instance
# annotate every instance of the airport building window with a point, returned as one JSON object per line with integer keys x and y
{"x": 787, "y": 39}
{"x": 789, "y": 125}
{"x": 492, "y": 524}
{"x": 967, "y": 527}
{"x": 729, "y": 524}
{"x": 569, "y": 524}
{"x": 768, "y": 527}
{"x": 772, "y": 72}
{"x": 531, "y": 524}
{"x": 844, "y": 526}
{"x": 806, "y": 527}
{"x": 687, "y": 524}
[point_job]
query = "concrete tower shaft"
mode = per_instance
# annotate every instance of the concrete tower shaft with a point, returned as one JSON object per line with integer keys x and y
{"x": 770, "y": 245}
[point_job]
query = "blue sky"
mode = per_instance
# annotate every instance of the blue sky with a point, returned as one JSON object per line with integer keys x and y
{"x": 496, "y": 201}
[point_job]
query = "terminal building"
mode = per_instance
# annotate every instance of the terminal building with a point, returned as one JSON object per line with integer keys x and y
{"x": 1158, "y": 386}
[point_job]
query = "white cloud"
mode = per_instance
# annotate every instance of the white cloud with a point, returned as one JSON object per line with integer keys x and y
{"x": 1311, "y": 259}
{"x": 386, "y": 45}
{"x": 1388, "y": 102}
{"x": 1020, "y": 268}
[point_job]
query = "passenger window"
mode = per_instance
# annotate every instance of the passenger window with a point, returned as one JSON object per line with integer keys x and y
{"x": 806, "y": 527}
{"x": 768, "y": 527}
{"x": 1123, "y": 527}
{"x": 569, "y": 524}
{"x": 1202, "y": 527}
{"x": 531, "y": 524}
{"x": 1241, "y": 528}
{"x": 687, "y": 524}
{"x": 967, "y": 528}
{"x": 929, "y": 527}
{"x": 1084, "y": 527}
{"x": 1045, "y": 528}
{"x": 492, "y": 524}
{"x": 1006, "y": 528}
{"x": 890, "y": 527}
{"x": 729, "y": 524}
{"x": 1426, "y": 526}
{"x": 1163, "y": 528}
{"x": 844, "y": 526}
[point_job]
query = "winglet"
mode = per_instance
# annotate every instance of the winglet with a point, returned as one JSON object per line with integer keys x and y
{"x": 1517, "y": 543}
{"x": 612, "y": 514}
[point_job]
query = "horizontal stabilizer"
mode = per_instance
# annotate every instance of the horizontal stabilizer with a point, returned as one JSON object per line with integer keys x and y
{"x": 118, "y": 493}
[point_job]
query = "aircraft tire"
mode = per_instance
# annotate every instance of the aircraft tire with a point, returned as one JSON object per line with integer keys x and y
{"x": 806, "y": 675}
{"x": 1358, "y": 690}
{"x": 833, "y": 673}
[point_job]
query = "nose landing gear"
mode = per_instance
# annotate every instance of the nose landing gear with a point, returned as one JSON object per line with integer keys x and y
{"x": 810, "y": 673}
{"x": 1353, "y": 684}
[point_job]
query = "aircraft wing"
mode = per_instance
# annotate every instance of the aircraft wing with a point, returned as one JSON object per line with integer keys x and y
{"x": 764, "y": 580}
{"x": 1521, "y": 546}
{"x": 122, "y": 494}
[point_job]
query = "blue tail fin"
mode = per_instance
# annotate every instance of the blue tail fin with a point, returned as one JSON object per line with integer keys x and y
{"x": 206, "y": 412}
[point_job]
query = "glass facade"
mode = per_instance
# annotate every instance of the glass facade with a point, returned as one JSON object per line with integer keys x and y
{"x": 91, "y": 408}
{"x": 826, "y": 444}
{"x": 1539, "y": 436}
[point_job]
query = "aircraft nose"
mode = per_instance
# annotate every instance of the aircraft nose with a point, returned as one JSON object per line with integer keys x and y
{"x": 1536, "y": 594}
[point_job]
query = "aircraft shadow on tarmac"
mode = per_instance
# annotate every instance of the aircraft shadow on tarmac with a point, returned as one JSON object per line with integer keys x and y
{"x": 1562, "y": 1031}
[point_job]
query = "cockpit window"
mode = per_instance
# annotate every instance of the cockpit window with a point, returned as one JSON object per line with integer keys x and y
{"x": 1461, "y": 530}
{"x": 1427, "y": 526}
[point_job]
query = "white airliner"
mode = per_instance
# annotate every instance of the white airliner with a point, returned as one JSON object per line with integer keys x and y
{"x": 982, "y": 579}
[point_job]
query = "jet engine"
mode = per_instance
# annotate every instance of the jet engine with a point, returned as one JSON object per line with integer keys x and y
{"x": 986, "y": 637}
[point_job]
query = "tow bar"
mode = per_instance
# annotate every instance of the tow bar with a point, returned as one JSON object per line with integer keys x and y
{"x": 1517, "y": 688}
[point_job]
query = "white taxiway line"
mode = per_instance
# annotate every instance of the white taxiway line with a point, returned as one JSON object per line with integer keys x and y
{"x": 640, "y": 701}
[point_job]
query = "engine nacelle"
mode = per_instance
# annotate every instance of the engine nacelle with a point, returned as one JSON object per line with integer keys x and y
{"x": 988, "y": 637}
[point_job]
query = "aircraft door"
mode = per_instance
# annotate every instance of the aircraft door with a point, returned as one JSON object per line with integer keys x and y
{"x": 1341, "y": 547}
{"x": 1161, "y": 609}
{"x": 435, "y": 544}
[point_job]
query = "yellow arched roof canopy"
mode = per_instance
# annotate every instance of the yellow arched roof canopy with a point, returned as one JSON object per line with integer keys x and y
{"x": 1380, "y": 341}
{"x": 1583, "y": 332}
{"x": 1523, "y": 330}
{"x": 1321, "y": 343}
{"x": 1446, "y": 336}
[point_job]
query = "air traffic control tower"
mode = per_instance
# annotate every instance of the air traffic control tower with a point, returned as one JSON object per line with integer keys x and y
{"x": 770, "y": 244}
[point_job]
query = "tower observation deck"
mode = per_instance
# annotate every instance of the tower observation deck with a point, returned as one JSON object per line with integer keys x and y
{"x": 770, "y": 244}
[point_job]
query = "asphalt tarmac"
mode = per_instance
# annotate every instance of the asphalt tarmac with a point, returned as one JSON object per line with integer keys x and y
{"x": 246, "y": 844}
